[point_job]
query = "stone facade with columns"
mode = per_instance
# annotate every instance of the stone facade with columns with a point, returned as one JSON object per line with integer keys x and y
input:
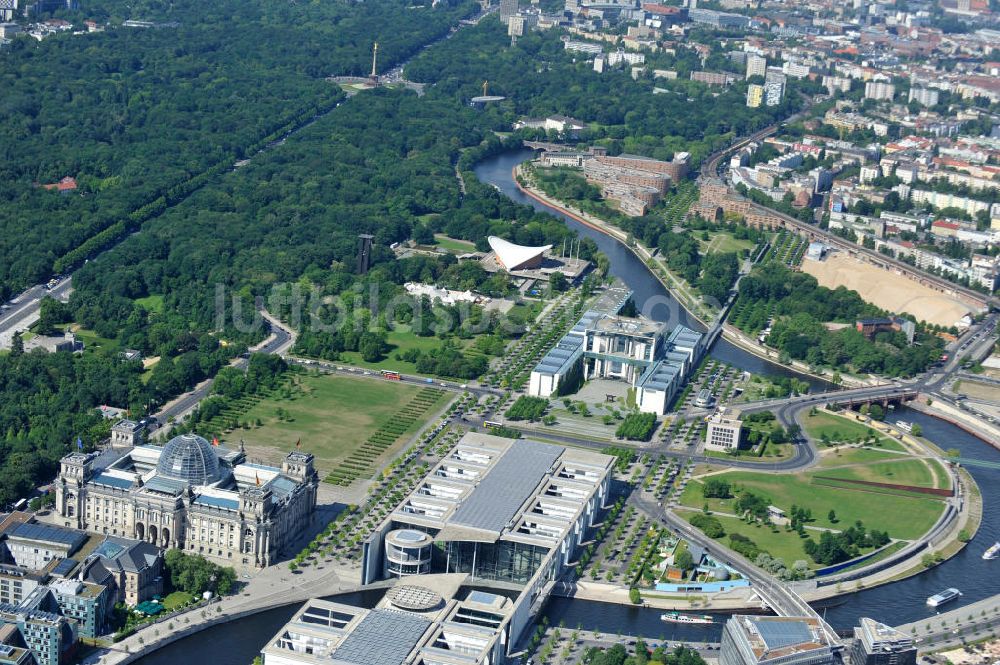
{"x": 193, "y": 496}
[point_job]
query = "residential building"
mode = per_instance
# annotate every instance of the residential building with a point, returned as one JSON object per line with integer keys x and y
{"x": 587, "y": 48}
{"x": 756, "y": 65}
{"x": 795, "y": 70}
{"x": 13, "y": 650}
{"x": 878, "y": 644}
{"x": 508, "y": 8}
{"x": 89, "y": 604}
{"x": 17, "y": 583}
{"x": 924, "y": 96}
{"x": 880, "y": 90}
{"x": 755, "y": 95}
{"x": 724, "y": 431}
{"x": 622, "y": 57}
{"x": 190, "y": 495}
{"x": 769, "y": 640}
{"x": 948, "y": 200}
{"x": 713, "y": 78}
{"x": 50, "y": 637}
{"x": 774, "y": 88}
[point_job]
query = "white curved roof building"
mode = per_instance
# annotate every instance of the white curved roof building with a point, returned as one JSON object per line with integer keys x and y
{"x": 516, "y": 257}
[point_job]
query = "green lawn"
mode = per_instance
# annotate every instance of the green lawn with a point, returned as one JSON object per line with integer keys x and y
{"x": 177, "y": 599}
{"x": 843, "y": 456}
{"x": 902, "y": 472}
{"x": 399, "y": 341}
{"x": 332, "y": 415}
{"x": 153, "y": 303}
{"x": 785, "y": 545}
{"x": 91, "y": 340}
{"x": 904, "y": 517}
{"x": 841, "y": 428}
{"x": 722, "y": 242}
{"x": 453, "y": 244}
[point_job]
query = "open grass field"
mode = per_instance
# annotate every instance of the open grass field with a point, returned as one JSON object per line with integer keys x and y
{"x": 845, "y": 428}
{"x": 916, "y": 472}
{"x": 332, "y": 415}
{"x": 843, "y": 456}
{"x": 453, "y": 244}
{"x": 785, "y": 545}
{"x": 722, "y": 242}
{"x": 153, "y": 303}
{"x": 905, "y": 517}
{"x": 399, "y": 341}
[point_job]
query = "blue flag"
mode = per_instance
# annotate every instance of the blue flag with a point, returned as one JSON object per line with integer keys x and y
{"x": 79, "y": 443}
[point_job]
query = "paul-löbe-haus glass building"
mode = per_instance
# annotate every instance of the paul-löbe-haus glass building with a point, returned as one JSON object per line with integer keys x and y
{"x": 499, "y": 510}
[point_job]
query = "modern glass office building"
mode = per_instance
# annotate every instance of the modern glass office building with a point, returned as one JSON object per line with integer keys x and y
{"x": 496, "y": 510}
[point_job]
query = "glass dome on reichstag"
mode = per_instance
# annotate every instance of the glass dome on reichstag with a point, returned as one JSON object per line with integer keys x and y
{"x": 190, "y": 458}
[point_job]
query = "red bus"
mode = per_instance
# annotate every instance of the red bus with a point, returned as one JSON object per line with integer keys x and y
{"x": 391, "y": 375}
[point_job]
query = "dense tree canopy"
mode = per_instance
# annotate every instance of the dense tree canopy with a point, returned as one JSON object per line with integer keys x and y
{"x": 139, "y": 117}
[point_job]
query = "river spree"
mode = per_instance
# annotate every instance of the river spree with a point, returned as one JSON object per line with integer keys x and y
{"x": 650, "y": 296}
{"x": 237, "y": 642}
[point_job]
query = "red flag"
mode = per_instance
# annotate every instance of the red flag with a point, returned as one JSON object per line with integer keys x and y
{"x": 298, "y": 444}
{"x": 215, "y": 440}
{"x": 257, "y": 476}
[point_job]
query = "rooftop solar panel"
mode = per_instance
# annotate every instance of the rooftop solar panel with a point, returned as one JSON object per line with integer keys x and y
{"x": 493, "y": 502}
{"x": 369, "y": 643}
{"x": 49, "y": 534}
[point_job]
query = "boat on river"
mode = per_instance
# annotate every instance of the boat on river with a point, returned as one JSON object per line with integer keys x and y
{"x": 677, "y": 617}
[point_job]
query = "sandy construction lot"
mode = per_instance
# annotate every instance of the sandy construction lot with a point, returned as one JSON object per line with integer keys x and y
{"x": 886, "y": 289}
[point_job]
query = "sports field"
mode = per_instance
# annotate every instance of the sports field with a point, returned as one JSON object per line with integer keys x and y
{"x": 331, "y": 415}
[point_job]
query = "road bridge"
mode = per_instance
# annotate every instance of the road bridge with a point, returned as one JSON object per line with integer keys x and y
{"x": 547, "y": 146}
{"x": 779, "y": 597}
{"x": 854, "y": 397}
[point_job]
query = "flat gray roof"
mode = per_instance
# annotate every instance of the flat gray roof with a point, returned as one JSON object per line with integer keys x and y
{"x": 660, "y": 375}
{"x": 385, "y": 637}
{"x": 560, "y": 356}
{"x": 492, "y": 504}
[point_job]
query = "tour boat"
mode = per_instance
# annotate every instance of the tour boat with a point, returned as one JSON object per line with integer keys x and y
{"x": 905, "y": 426}
{"x": 677, "y": 617}
{"x": 993, "y": 552}
{"x": 939, "y": 599}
